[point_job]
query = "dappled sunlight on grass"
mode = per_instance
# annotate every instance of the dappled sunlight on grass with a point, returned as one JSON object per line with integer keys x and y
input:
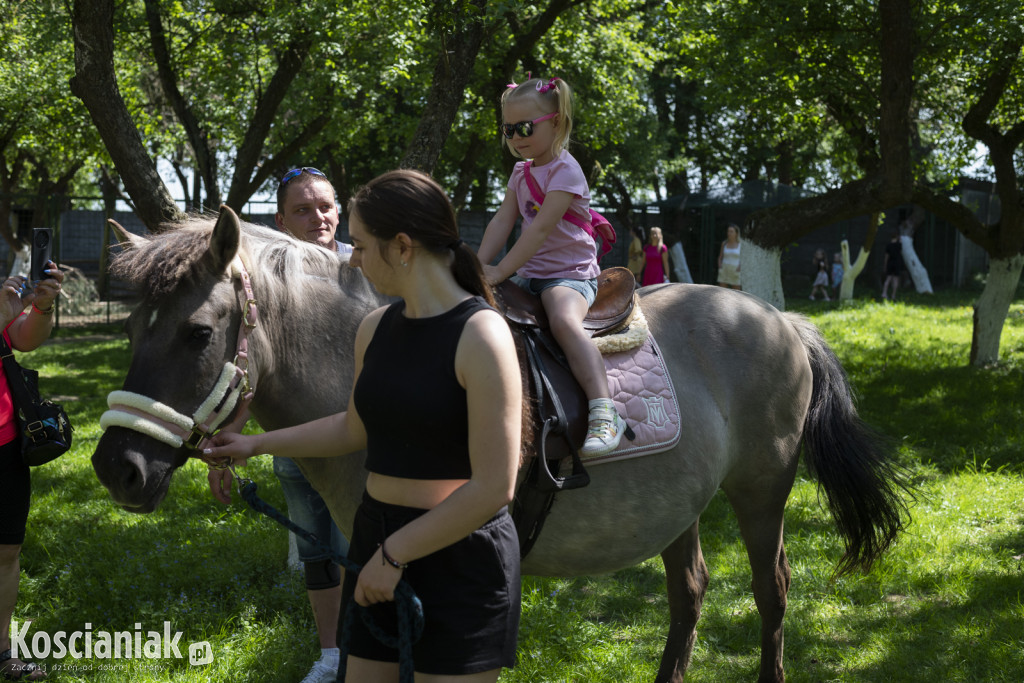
{"x": 944, "y": 604}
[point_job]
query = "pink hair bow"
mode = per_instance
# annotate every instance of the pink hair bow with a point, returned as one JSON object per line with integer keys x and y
{"x": 550, "y": 85}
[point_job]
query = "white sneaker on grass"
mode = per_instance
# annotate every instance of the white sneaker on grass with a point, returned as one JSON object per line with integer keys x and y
{"x": 322, "y": 672}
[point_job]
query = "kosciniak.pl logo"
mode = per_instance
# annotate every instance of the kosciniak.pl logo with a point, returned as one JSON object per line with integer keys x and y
{"x": 89, "y": 644}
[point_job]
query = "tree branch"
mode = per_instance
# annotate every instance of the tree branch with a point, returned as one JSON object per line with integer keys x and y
{"x": 206, "y": 162}
{"x": 251, "y": 149}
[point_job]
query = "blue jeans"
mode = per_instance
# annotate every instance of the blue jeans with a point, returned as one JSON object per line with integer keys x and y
{"x": 308, "y": 510}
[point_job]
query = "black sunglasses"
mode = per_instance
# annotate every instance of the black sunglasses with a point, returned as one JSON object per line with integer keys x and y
{"x": 524, "y": 128}
{"x": 296, "y": 172}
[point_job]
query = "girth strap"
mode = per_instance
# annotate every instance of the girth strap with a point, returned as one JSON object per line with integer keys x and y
{"x": 537, "y": 492}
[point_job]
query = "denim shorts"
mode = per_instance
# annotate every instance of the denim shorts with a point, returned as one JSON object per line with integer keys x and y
{"x": 536, "y": 285}
{"x": 307, "y": 509}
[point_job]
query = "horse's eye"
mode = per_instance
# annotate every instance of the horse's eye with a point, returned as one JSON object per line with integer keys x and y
{"x": 201, "y": 334}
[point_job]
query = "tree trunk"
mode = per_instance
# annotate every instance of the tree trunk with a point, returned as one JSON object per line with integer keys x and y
{"x": 679, "y": 265}
{"x": 992, "y": 307}
{"x": 455, "y": 62}
{"x": 851, "y": 271}
{"x": 95, "y": 83}
{"x": 761, "y": 273}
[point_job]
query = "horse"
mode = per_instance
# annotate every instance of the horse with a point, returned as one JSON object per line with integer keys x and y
{"x": 756, "y": 386}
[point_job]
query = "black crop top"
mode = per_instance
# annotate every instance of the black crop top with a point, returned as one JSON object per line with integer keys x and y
{"x": 409, "y": 399}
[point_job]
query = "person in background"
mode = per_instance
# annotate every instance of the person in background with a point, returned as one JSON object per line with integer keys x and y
{"x": 655, "y": 260}
{"x": 23, "y": 332}
{"x": 893, "y": 266}
{"x": 441, "y": 472}
{"x": 819, "y": 258}
{"x": 307, "y": 210}
{"x": 820, "y": 284}
{"x": 837, "y": 273}
{"x": 636, "y": 253}
{"x": 729, "y": 258}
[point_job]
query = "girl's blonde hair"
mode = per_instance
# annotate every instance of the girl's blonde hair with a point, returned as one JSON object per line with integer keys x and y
{"x": 553, "y": 95}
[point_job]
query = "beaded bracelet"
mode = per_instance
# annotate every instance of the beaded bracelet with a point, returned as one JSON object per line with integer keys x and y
{"x": 390, "y": 560}
{"x": 40, "y": 311}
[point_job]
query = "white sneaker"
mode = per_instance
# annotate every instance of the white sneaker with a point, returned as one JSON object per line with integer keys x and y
{"x": 321, "y": 673}
{"x": 604, "y": 432}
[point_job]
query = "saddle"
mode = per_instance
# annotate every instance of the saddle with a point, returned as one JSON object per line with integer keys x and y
{"x": 558, "y": 403}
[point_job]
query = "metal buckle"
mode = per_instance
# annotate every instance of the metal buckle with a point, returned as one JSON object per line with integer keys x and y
{"x": 250, "y": 305}
{"x": 36, "y": 431}
{"x": 194, "y": 438}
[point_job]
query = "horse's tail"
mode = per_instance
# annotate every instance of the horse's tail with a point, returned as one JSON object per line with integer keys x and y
{"x": 866, "y": 490}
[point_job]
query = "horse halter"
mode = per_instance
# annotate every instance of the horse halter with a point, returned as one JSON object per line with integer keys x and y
{"x": 165, "y": 424}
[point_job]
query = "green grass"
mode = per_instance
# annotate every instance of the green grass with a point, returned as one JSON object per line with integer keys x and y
{"x": 945, "y": 604}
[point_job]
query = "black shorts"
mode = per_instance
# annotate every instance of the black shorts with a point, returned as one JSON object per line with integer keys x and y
{"x": 470, "y": 592}
{"x": 15, "y": 492}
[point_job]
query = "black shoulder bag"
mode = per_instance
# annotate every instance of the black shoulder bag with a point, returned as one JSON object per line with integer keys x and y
{"x": 43, "y": 426}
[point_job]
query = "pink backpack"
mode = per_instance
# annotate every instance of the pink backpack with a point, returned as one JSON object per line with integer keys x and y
{"x": 597, "y": 227}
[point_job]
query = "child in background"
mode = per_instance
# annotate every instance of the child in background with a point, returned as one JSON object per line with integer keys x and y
{"x": 821, "y": 281}
{"x": 837, "y": 273}
{"x": 553, "y": 257}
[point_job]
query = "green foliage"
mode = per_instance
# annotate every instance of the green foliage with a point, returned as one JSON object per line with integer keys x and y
{"x": 943, "y": 604}
{"x": 42, "y": 125}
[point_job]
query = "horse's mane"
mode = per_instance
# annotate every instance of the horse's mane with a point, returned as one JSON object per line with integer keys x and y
{"x": 162, "y": 262}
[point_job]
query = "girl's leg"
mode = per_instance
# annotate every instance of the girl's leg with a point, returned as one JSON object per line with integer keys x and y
{"x": 566, "y": 309}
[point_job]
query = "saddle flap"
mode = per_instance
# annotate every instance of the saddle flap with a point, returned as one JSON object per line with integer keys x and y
{"x": 520, "y": 306}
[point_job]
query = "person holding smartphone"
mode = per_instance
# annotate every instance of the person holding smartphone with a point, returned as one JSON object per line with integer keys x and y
{"x": 26, "y": 311}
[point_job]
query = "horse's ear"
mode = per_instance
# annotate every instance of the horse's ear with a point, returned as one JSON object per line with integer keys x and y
{"x": 227, "y": 234}
{"x": 123, "y": 236}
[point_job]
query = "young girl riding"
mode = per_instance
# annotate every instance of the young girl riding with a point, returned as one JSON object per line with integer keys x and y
{"x": 553, "y": 257}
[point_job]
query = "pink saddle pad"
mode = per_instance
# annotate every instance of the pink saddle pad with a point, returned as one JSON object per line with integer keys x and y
{"x": 643, "y": 393}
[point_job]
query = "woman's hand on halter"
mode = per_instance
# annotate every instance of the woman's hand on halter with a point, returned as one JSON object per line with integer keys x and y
{"x": 228, "y": 448}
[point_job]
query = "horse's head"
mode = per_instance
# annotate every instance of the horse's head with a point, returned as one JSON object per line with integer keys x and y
{"x": 183, "y": 337}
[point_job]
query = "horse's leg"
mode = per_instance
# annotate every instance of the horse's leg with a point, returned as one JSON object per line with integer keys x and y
{"x": 687, "y": 577}
{"x": 761, "y": 527}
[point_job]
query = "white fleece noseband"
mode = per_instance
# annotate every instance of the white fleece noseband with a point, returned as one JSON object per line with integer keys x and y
{"x": 165, "y": 424}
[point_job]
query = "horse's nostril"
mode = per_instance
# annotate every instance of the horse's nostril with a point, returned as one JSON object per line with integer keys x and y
{"x": 131, "y": 479}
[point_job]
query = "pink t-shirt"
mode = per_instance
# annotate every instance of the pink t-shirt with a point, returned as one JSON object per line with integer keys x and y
{"x": 8, "y": 425}
{"x": 568, "y": 252}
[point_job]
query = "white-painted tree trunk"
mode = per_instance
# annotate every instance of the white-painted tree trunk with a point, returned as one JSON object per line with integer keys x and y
{"x": 679, "y": 266}
{"x": 992, "y": 307}
{"x": 850, "y": 271}
{"x": 22, "y": 261}
{"x": 918, "y": 273}
{"x": 761, "y": 273}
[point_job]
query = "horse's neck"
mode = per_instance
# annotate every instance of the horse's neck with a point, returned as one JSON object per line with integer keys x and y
{"x": 305, "y": 354}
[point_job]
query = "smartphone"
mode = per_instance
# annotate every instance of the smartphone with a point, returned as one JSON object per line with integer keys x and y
{"x": 42, "y": 245}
